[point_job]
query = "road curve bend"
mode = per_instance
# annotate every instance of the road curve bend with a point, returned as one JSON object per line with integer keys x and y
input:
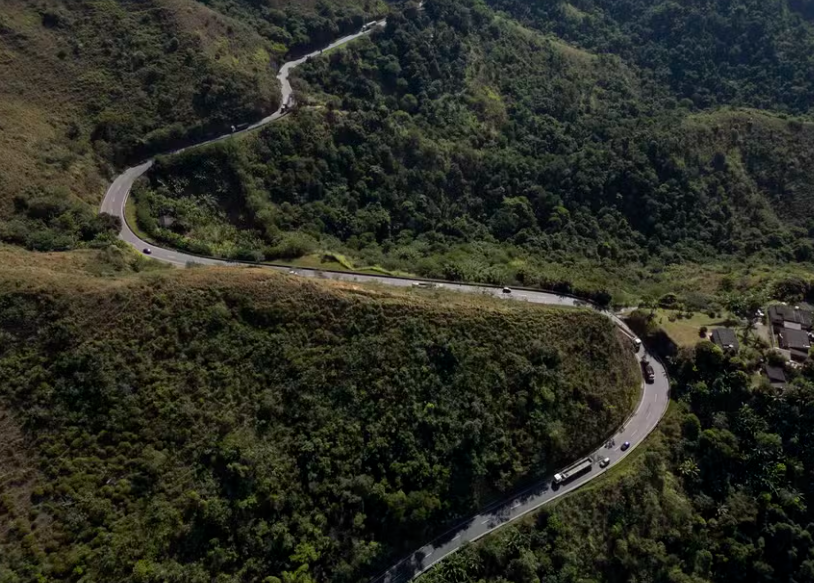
{"x": 649, "y": 411}
{"x": 117, "y": 193}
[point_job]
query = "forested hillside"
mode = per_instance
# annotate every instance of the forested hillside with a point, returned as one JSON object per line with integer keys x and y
{"x": 89, "y": 86}
{"x": 721, "y": 493}
{"x": 235, "y": 425}
{"x": 744, "y": 52}
{"x": 459, "y": 144}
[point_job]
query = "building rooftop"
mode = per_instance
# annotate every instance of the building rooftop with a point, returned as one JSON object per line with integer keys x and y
{"x": 782, "y": 313}
{"x": 725, "y": 338}
{"x": 776, "y": 374}
{"x": 795, "y": 339}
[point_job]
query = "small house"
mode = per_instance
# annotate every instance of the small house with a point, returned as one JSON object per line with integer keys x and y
{"x": 795, "y": 341}
{"x": 725, "y": 338}
{"x": 776, "y": 375}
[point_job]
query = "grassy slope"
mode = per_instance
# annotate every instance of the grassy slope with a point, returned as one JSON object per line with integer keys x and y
{"x": 114, "y": 260}
{"x": 67, "y": 68}
{"x": 185, "y": 413}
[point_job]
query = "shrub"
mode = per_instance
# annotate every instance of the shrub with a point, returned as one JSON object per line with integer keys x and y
{"x": 291, "y": 246}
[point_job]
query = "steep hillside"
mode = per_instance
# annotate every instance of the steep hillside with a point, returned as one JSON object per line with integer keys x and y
{"x": 89, "y": 84}
{"x": 718, "y": 494}
{"x": 460, "y": 144}
{"x": 711, "y": 52}
{"x": 238, "y": 424}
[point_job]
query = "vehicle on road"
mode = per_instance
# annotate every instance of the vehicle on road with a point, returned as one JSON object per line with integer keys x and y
{"x": 507, "y": 290}
{"x": 637, "y": 343}
{"x": 647, "y": 416}
{"x": 573, "y": 472}
{"x": 368, "y": 26}
{"x": 604, "y": 463}
{"x": 625, "y": 445}
{"x": 147, "y": 251}
{"x": 425, "y": 284}
{"x": 647, "y": 370}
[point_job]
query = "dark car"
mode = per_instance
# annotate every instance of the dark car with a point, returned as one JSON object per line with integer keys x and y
{"x": 625, "y": 445}
{"x": 148, "y": 251}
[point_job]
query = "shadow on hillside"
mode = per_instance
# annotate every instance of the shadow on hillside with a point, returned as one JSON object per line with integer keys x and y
{"x": 492, "y": 517}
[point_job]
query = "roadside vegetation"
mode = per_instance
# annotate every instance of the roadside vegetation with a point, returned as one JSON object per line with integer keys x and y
{"x": 91, "y": 86}
{"x": 459, "y": 144}
{"x": 238, "y": 424}
{"x": 719, "y": 493}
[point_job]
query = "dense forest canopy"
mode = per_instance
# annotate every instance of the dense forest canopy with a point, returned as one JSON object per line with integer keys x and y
{"x": 722, "y": 493}
{"x": 235, "y": 425}
{"x": 459, "y": 144}
{"x": 755, "y": 53}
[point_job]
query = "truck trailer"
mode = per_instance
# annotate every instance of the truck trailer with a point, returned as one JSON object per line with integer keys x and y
{"x": 647, "y": 370}
{"x": 573, "y": 471}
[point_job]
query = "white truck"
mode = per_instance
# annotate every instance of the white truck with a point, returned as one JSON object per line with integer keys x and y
{"x": 573, "y": 471}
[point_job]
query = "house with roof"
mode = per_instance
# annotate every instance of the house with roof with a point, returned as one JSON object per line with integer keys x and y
{"x": 725, "y": 338}
{"x": 795, "y": 341}
{"x": 790, "y": 317}
{"x": 776, "y": 375}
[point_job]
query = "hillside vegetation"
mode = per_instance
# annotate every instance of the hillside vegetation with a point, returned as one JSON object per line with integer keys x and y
{"x": 720, "y": 493}
{"x": 90, "y": 85}
{"x": 461, "y": 144}
{"x": 238, "y": 424}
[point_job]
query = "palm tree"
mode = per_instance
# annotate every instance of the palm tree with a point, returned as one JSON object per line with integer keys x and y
{"x": 651, "y": 303}
{"x": 748, "y": 329}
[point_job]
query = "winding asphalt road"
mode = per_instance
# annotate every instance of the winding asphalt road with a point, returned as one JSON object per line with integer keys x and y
{"x": 651, "y": 407}
{"x": 117, "y": 193}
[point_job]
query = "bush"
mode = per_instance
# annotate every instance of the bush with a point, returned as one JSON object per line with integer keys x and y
{"x": 668, "y": 301}
{"x": 291, "y": 246}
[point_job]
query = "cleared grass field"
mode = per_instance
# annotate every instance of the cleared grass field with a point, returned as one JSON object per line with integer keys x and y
{"x": 685, "y": 331}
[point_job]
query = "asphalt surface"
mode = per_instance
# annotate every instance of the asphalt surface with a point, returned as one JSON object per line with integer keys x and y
{"x": 651, "y": 408}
